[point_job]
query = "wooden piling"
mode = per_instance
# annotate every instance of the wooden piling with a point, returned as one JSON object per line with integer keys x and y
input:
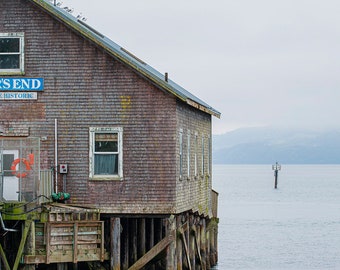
{"x": 125, "y": 249}
{"x": 115, "y": 243}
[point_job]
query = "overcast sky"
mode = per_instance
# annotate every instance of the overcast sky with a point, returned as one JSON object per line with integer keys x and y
{"x": 260, "y": 63}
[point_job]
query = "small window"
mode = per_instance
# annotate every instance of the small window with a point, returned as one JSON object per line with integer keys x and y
{"x": 11, "y": 53}
{"x": 106, "y": 153}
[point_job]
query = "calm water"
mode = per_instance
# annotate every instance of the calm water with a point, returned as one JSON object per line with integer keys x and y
{"x": 296, "y": 226}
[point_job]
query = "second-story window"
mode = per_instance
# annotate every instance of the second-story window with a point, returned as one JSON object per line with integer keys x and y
{"x": 11, "y": 53}
{"x": 195, "y": 155}
{"x": 106, "y": 153}
{"x": 188, "y": 154}
{"x": 181, "y": 154}
{"x": 203, "y": 157}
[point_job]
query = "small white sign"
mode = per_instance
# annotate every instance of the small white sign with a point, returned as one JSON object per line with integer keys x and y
{"x": 18, "y": 95}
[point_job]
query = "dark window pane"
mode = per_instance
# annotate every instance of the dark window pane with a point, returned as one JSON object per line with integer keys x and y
{"x": 106, "y": 142}
{"x": 9, "y": 61}
{"x": 106, "y": 147}
{"x": 9, "y": 45}
{"x": 106, "y": 164}
{"x": 7, "y": 163}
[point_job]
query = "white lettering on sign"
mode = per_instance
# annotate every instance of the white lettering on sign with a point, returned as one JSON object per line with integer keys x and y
{"x": 21, "y": 84}
{"x": 18, "y": 95}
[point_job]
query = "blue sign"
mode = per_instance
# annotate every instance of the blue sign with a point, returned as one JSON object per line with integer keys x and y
{"x": 21, "y": 84}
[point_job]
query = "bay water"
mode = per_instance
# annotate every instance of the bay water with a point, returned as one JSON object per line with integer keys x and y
{"x": 296, "y": 226}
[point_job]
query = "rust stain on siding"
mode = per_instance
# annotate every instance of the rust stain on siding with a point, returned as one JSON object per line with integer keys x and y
{"x": 125, "y": 102}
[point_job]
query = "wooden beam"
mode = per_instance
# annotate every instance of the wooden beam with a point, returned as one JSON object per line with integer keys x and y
{"x": 197, "y": 245}
{"x": 4, "y": 258}
{"x": 187, "y": 254}
{"x": 22, "y": 244}
{"x": 158, "y": 248}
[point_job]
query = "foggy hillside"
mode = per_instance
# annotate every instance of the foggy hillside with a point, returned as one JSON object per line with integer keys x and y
{"x": 268, "y": 145}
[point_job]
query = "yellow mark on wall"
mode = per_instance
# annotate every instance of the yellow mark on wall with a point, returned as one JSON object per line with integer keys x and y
{"x": 125, "y": 102}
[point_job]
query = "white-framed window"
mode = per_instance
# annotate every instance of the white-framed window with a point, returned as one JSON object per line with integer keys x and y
{"x": 188, "y": 154}
{"x": 12, "y": 53}
{"x": 181, "y": 154}
{"x": 106, "y": 153}
{"x": 195, "y": 155}
{"x": 203, "y": 157}
{"x": 209, "y": 155}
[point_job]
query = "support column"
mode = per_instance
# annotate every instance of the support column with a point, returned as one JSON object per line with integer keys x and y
{"x": 125, "y": 249}
{"x": 141, "y": 238}
{"x": 208, "y": 235}
{"x": 62, "y": 266}
{"x": 203, "y": 243}
{"x": 171, "y": 249}
{"x": 133, "y": 239}
{"x": 30, "y": 246}
{"x": 151, "y": 237}
{"x": 115, "y": 243}
{"x": 192, "y": 243}
{"x": 158, "y": 238}
{"x": 179, "y": 246}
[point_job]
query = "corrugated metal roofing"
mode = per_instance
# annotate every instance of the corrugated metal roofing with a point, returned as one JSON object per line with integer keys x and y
{"x": 126, "y": 57}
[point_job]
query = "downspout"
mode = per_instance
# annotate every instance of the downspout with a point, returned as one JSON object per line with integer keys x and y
{"x": 56, "y": 154}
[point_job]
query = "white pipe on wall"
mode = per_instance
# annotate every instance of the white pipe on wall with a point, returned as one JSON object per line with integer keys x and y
{"x": 56, "y": 154}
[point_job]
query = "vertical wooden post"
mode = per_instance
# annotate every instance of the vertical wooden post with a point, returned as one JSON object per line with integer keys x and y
{"x": 192, "y": 243}
{"x": 133, "y": 239}
{"x": 179, "y": 245}
{"x": 126, "y": 236}
{"x": 151, "y": 237}
{"x": 22, "y": 244}
{"x": 62, "y": 266}
{"x": 214, "y": 246}
{"x": 208, "y": 237}
{"x": 115, "y": 243}
{"x": 171, "y": 249}
{"x": 30, "y": 245}
{"x": 141, "y": 238}
{"x": 159, "y": 237}
{"x": 203, "y": 243}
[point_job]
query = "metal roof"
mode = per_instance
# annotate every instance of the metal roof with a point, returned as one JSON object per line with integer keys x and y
{"x": 125, "y": 56}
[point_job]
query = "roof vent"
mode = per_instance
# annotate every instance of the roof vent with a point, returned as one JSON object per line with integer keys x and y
{"x": 166, "y": 76}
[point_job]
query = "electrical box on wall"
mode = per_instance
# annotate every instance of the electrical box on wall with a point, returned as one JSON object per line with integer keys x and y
{"x": 63, "y": 168}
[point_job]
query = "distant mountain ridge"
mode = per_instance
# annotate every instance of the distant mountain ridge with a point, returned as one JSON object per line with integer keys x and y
{"x": 268, "y": 145}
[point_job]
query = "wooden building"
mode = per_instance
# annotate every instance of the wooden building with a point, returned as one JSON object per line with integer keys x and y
{"x": 83, "y": 116}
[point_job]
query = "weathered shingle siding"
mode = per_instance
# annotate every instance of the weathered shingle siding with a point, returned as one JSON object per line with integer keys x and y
{"x": 193, "y": 192}
{"x": 85, "y": 87}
